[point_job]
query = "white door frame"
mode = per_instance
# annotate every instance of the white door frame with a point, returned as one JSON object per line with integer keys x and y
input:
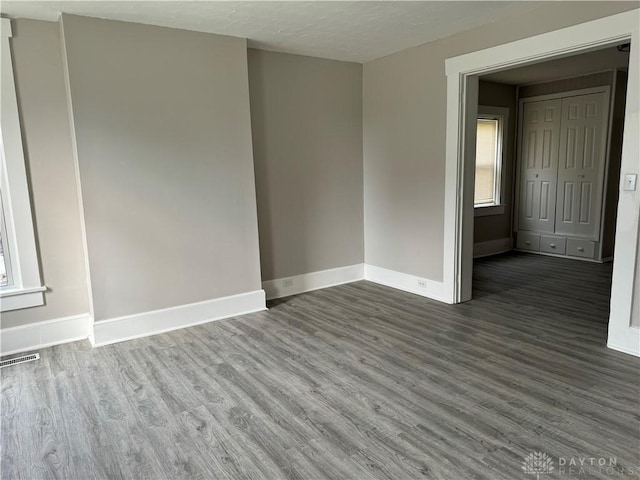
{"x": 462, "y": 85}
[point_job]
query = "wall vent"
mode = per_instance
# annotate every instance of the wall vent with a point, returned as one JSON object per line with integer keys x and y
{"x": 17, "y": 360}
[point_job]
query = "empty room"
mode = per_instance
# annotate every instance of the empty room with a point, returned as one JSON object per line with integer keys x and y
{"x": 306, "y": 240}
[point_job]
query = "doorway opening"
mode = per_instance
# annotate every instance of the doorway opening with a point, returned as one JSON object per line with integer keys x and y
{"x": 463, "y": 79}
{"x": 548, "y": 152}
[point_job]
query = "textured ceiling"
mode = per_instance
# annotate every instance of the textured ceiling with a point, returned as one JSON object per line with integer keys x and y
{"x": 353, "y": 31}
{"x": 600, "y": 60}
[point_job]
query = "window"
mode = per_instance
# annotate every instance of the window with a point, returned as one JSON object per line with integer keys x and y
{"x": 487, "y": 162}
{"x": 20, "y": 285}
{"x": 490, "y": 135}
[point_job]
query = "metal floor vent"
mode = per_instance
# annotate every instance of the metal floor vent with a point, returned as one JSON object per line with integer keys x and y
{"x": 17, "y": 360}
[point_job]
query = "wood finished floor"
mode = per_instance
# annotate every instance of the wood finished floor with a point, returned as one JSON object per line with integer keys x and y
{"x": 357, "y": 381}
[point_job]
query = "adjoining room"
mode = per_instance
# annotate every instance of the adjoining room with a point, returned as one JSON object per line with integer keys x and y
{"x": 549, "y": 146}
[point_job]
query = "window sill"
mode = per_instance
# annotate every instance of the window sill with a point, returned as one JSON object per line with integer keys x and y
{"x": 16, "y": 299}
{"x": 485, "y": 211}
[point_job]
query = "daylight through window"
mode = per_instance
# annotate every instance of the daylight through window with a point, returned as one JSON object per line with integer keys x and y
{"x": 488, "y": 157}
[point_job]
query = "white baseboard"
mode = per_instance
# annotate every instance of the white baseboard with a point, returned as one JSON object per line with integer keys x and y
{"x": 38, "y": 335}
{"x": 492, "y": 247}
{"x": 408, "y": 283}
{"x": 120, "y": 329}
{"x": 624, "y": 349}
{"x": 555, "y": 255}
{"x": 284, "y": 287}
{"x": 630, "y": 344}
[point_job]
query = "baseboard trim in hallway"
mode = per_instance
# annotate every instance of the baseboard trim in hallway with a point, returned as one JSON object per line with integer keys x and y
{"x": 34, "y": 336}
{"x": 154, "y": 322}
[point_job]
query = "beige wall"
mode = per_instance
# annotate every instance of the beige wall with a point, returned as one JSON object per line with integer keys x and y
{"x": 306, "y": 117}
{"x": 164, "y": 150}
{"x": 38, "y": 72}
{"x": 404, "y": 135}
{"x": 494, "y": 227}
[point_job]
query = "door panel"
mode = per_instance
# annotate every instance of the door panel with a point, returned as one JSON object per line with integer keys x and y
{"x": 570, "y": 159}
{"x": 539, "y": 165}
{"x": 582, "y": 146}
{"x": 585, "y": 203}
{"x": 528, "y": 200}
{"x": 545, "y": 201}
{"x": 568, "y": 194}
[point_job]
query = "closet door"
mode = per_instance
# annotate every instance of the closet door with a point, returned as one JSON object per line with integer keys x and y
{"x": 539, "y": 165}
{"x": 581, "y": 170}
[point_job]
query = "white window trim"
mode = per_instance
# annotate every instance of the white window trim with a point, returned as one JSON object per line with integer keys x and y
{"x": 502, "y": 115}
{"x": 26, "y": 289}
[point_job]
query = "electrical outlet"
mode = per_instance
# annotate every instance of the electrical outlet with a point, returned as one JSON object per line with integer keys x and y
{"x": 287, "y": 282}
{"x": 422, "y": 283}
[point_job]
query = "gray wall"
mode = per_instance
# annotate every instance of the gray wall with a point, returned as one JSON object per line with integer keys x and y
{"x": 163, "y": 137}
{"x": 306, "y": 116}
{"x": 494, "y": 227}
{"x": 39, "y": 77}
{"x": 404, "y": 135}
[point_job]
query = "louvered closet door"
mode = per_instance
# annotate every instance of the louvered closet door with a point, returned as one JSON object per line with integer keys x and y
{"x": 539, "y": 165}
{"x": 581, "y": 168}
